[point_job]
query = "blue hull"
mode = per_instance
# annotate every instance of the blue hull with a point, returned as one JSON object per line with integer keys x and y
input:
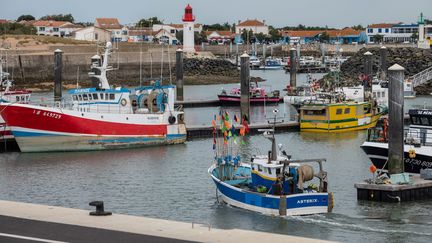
{"x": 295, "y": 204}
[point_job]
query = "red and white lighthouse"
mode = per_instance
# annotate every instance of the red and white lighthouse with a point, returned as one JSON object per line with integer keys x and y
{"x": 188, "y": 30}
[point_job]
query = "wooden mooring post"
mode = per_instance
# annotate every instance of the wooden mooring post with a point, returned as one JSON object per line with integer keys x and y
{"x": 179, "y": 75}
{"x": 244, "y": 87}
{"x": 383, "y": 63}
{"x": 293, "y": 69}
{"x": 58, "y": 65}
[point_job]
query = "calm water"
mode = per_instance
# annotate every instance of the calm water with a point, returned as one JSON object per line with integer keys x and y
{"x": 172, "y": 183}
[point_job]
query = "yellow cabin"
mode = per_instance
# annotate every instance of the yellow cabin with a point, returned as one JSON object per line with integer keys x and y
{"x": 338, "y": 117}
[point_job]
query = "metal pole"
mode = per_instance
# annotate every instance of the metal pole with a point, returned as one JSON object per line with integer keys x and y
{"x": 244, "y": 87}
{"x": 383, "y": 63}
{"x": 58, "y": 74}
{"x": 323, "y": 50}
{"x": 293, "y": 69}
{"x": 264, "y": 51}
{"x": 396, "y": 122}
{"x": 179, "y": 74}
{"x": 367, "y": 82}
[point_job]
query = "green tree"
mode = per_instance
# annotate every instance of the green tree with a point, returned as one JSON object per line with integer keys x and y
{"x": 148, "y": 22}
{"x": 414, "y": 36}
{"x": 358, "y": 27}
{"x": 17, "y": 29}
{"x": 428, "y": 21}
{"x": 26, "y": 17}
{"x": 378, "y": 38}
{"x": 246, "y": 36}
{"x": 324, "y": 37}
{"x": 179, "y": 36}
{"x": 260, "y": 37}
{"x": 275, "y": 35}
{"x": 59, "y": 17}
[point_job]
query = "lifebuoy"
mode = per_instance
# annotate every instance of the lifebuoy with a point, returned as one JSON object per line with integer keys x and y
{"x": 123, "y": 102}
{"x": 171, "y": 119}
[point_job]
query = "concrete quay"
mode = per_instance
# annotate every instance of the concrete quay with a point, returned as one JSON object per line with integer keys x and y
{"x": 25, "y": 222}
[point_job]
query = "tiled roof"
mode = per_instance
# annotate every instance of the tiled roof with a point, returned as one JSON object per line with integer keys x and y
{"x": 50, "y": 23}
{"x": 3, "y": 21}
{"x": 70, "y": 25}
{"x": 251, "y": 22}
{"x": 302, "y": 33}
{"x": 219, "y": 32}
{"x": 108, "y": 23}
{"x": 383, "y": 25}
{"x": 343, "y": 32}
{"x": 138, "y": 31}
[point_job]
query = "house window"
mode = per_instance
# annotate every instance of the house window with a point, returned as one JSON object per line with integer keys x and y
{"x": 338, "y": 111}
{"x": 379, "y": 30}
{"x": 370, "y": 30}
{"x": 386, "y": 30}
{"x": 124, "y": 32}
{"x": 96, "y": 36}
{"x": 55, "y": 29}
{"x": 41, "y": 28}
{"x": 347, "y": 110}
{"x": 172, "y": 31}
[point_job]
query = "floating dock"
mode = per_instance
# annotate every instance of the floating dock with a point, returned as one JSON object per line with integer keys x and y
{"x": 25, "y": 222}
{"x": 418, "y": 189}
{"x": 206, "y": 103}
{"x": 205, "y": 131}
{"x": 309, "y": 69}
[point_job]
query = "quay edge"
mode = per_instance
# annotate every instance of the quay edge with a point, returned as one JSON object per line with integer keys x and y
{"x": 76, "y": 220}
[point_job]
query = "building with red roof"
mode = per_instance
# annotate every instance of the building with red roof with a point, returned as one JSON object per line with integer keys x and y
{"x": 252, "y": 24}
{"x": 55, "y": 28}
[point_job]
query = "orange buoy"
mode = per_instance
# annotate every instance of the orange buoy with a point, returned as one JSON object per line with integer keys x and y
{"x": 372, "y": 168}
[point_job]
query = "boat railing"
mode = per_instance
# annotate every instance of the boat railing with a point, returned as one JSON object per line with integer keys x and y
{"x": 411, "y": 137}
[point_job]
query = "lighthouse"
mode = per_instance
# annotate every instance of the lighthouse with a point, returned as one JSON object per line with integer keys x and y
{"x": 188, "y": 30}
{"x": 422, "y": 43}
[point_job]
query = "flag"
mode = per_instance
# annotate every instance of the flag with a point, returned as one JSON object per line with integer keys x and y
{"x": 246, "y": 126}
{"x": 214, "y": 123}
{"x": 236, "y": 119}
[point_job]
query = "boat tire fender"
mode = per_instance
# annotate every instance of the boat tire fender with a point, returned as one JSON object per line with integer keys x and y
{"x": 123, "y": 102}
{"x": 171, "y": 119}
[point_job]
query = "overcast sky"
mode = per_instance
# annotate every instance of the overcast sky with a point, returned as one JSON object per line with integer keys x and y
{"x": 279, "y": 13}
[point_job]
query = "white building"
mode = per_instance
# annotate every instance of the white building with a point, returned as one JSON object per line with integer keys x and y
{"x": 392, "y": 33}
{"x": 92, "y": 33}
{"x": 119, "y": 33}
{"x": 55, "y": 28}
{"x": 255, "y": 25}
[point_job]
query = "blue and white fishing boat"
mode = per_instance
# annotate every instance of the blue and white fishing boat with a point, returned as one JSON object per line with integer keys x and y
{"x": 272, "y": 184}
{"x": 272, "y": 64}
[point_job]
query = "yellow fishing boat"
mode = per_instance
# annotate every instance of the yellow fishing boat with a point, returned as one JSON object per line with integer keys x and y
{"x": 339, "y": 117}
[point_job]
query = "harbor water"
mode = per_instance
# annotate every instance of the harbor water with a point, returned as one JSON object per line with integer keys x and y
{"x": 171, "y": 182}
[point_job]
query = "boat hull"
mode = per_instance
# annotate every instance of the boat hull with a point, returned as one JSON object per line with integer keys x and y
{"x": 296, "y": 204}
{"x": 378, "y": 154}
{"x": 235, "y": 100}
{"x": 43, "y": 129}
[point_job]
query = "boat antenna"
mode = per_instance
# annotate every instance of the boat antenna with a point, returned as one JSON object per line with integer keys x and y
{"x": 77, "y": 86}
{"x": 271, "y": 137}
{"x": 161, "y": 77}
{"x": 140, "y": 72}
{"x": 169, "y": 66}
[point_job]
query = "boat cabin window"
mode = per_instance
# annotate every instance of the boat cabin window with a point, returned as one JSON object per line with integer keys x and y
{"x": 338, "y": 111}
{"x": 106, "y": 97}
{"x": 277, "y": 171}
{"x": 85, "y": 97}
{"x": 269, "y": 171}
{"x": 80, "y": 98}
{"x": 111, "y": 96}
{"x": 347, "y": 110}
{"x": 95, "y": 96}
{"x": 259, "y": 168}
{"x": 374, "y": 94}
{"x": 315, "y": 112}
{"x": 17, "y": 98}
{"x": 253, "y": 167}
{"x": 366, "y": 109}
{"x": 383, "y": 94}
{"x": 425, "y": 121}
{"x": 74, "y": 97}
{"x": 101, "y": 96}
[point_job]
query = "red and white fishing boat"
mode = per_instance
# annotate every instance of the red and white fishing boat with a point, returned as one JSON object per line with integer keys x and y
{"x": 258, "y": 96}
{"x": 9, "y": 95}
{"x": 99, "y": 118}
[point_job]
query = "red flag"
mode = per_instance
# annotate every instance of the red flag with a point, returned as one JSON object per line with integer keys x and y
{"x": 246, "y": 126}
